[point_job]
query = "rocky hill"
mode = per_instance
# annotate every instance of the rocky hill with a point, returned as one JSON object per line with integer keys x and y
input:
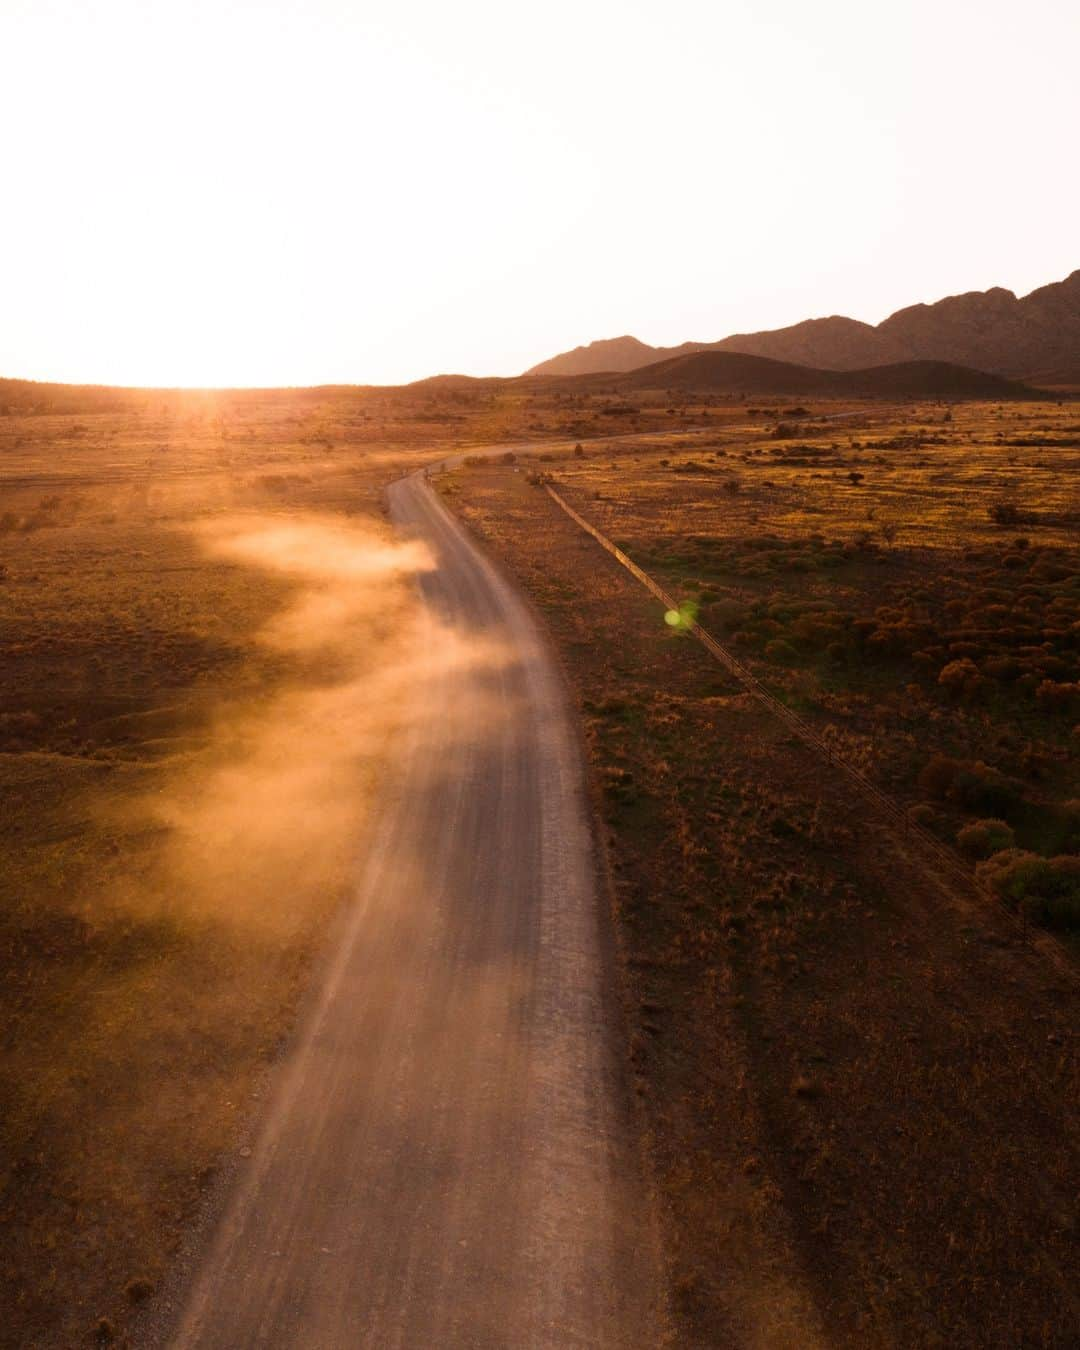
{"x": 988, "y": 330}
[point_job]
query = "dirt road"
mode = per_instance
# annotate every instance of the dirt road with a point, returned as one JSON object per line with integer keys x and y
{"x": 446, "y": 1160}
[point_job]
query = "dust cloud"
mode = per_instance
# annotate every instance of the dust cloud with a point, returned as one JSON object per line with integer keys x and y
{"x": 263, "y": 828}
{"x": 228, "y": 862}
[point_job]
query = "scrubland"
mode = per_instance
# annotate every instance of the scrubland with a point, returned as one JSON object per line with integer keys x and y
{"x": 181, "y": 811}
{"x": 858, "y": 1076}
{"x": 856, "y": 1080}
{"x": 204, "y": 632}
{"x": 911, "y": 586}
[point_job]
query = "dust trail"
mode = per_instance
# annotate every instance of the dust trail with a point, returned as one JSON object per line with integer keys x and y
{"x": 208, "y": 868}
{"x": 445, "y": 1156}
{"x": 268, "y": 818}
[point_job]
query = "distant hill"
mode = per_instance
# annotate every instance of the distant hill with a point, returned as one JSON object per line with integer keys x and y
{"x": 613, "y": 354}
{"x": 36, "y": 396}
{"x": 739, "y": 373}
{"x": 42, "y": 397}
{"x": 1063, "y": 378}
{"x": 986, "y": 330}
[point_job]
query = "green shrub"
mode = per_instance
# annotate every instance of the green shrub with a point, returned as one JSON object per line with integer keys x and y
{"x": 922, "y": 813}
{"x": 983, "y": 837}
{"x": 1014, "y": 874}
{"x": 1045, "y": 889}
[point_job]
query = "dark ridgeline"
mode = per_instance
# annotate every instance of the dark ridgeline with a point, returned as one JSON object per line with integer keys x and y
{"x": 1035, "y": 338}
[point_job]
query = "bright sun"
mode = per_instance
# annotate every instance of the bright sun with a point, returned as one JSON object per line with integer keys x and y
{"x": 283, "y": 193}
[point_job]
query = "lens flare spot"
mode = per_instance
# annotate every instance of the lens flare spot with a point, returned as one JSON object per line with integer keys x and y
{"x": 683, "y": 618}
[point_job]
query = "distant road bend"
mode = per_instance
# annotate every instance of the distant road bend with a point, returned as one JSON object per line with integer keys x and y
{"x": 447, "y": 1159}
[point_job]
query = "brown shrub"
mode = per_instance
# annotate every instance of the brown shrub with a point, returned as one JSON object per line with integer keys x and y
{"x": 961, "y": 678}
{"x": 938, "y": 775}
{"x": 955, "y": 674}
{"x": 783, "y": 653}
{"x": 983, "y": 837}
{"x": 979, "y": 787}
{"x": 1054, "y": 697}
{"x": 729, "y": 613}
{"x": 1005, "y": 668}
{"x": 1046, "y": 889}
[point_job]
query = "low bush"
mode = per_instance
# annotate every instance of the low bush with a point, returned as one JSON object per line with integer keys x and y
{"x": 1054, "y": 697}
{"x": 783, "y": 653}
{"x": 816, "y": 631}
{"x": 728, "y": 613}
{"x": 983, "y": 837}
{"x": 1047, "y": 890}
{"x": 938, "y": 775}
{"x": 1005, "y": 668}
{"x": 961, "y": 678}
{"x": 1005, "y": 513}
{"x": 978, "y": 787}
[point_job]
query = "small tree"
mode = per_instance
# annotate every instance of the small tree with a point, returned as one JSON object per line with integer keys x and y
{"x": 1004, "y": 513}
{"x": 982, "y": 838}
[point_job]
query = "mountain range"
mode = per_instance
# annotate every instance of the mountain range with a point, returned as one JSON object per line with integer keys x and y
{"x": 1034, "y": 338}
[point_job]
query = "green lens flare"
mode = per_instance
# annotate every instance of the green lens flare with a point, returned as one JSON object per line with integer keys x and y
{"x": 682, "y": 619}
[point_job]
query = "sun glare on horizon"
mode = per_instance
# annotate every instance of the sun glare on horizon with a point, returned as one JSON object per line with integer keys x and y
{"x": 275, "y": 193}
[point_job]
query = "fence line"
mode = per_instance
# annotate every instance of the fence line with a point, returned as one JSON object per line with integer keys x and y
{"x": 941, "y": 853}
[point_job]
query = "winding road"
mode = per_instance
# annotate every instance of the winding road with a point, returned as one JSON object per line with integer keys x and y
{"x": 447, "y": 1159}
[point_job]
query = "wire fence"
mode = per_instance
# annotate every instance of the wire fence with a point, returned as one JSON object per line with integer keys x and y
{"x": 947, "y": 861}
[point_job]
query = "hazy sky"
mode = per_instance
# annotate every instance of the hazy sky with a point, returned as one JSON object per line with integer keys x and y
{"x": 335, "y": 190}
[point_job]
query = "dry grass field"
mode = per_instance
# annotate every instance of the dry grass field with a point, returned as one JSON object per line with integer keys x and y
{"x": 912, "y": 586}
{"x": 193, "y": 601}
{"x": 859, "y": 1080}
{"x": 855, "y": 1084}
{"x": 165, "y": 866}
